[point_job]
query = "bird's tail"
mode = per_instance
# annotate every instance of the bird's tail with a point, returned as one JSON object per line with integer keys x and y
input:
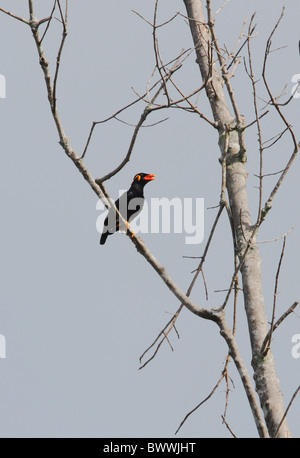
{"x": 104, "y": 237}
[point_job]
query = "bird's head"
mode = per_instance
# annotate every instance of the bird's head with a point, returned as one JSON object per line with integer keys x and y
{"x": 143, "y": 178}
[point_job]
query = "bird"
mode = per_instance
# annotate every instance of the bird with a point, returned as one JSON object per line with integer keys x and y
{"x": 130, "y": 204}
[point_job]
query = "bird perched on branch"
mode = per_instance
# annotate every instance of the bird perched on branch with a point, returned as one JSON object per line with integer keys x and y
{"x": 130, "y": 204}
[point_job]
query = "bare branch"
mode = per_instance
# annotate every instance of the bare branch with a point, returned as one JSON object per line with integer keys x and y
{"x": 257, "y": 118}
{"x": 225, "y": 73}
{"x": 287, "y": 409}
{"x": 268, "y": 203}
{"x": 95, "y": 123}
{"x": 148, "y": 125}
{"x": 171, "y": 323}
{"x": 221, "y": 7}
{"x": 267, "y": 343}
{"x": 275, "y": 325}
{"x": 142, "y": 17}
{"x": 250, "y": 35}
{"x": 64, "y": 20}
{"x": 159, "y": 25}
{"x": 143, "y": 117}
{"x": 165, "y": 331}
{"x": 277, "y": 138}
{"x": 291, "y": 97}
{"x": 49, "y": 21}
{"x": 242, "y": 228}
{"x": 149, "y": 108}
{"x": 14, "y": 16}
{"x": 228, "y": 427}
{"x": 235, "y": 354}
{"x": 193, "y": 107}
{"x": 159, "y": 63}
{"x": 276, "y": 238}
{"x": 101, "y": 192}
{"x": 205, "y": 399}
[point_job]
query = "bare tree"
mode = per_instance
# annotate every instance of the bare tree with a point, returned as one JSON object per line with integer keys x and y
{"x": 217, "y": 67}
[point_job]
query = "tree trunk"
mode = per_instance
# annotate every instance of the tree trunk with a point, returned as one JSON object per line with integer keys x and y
{"x": 231, "y": 143}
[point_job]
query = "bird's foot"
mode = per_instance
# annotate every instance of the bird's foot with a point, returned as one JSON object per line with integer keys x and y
{"x": 129, "y": 229}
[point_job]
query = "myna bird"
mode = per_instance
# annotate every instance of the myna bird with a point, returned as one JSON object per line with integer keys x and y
{"x": 130, "y": 204}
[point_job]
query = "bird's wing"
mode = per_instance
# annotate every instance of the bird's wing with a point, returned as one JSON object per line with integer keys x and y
{"x": 112, "y": 220}
{"x": 135, "y": 205}
{"x": 129, "y": 206}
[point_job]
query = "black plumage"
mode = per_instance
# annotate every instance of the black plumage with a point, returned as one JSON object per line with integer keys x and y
{"x": 130, "y": 204}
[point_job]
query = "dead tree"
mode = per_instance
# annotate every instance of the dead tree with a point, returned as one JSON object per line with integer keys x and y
{"x": 216, "y": 67}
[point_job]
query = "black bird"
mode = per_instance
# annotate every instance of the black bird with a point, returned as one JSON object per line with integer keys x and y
{"x": 130, "y": 204}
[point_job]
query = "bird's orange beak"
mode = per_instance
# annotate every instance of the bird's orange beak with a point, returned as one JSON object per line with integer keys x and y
{"x": 149, "y": 177}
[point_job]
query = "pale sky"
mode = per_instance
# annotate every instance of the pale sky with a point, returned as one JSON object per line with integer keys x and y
{"x": 76, "y": 316}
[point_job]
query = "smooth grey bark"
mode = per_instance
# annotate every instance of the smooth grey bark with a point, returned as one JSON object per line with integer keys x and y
{"x": 231, "y": 143}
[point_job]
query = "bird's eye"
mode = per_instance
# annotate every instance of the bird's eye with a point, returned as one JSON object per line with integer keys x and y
{"x": 137, "y": 177}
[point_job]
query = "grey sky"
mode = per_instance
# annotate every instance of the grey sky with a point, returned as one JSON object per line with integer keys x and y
{"x": 77, "y": 316}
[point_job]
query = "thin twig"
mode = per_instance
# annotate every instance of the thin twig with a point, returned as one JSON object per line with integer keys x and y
{"x": 204, "y": 400}
{"x": 149, "y": 108}
{"x": 64, "y": 20}
{"x": 14, "y": 16}
{"x": 277, "y": 138}
{"x": 255, "y": 120}
{"x": 228, "y": 427}
{"x": 267, "y": 343}
{"x": 241, "y": 47}
{"x": 225, "y": 74}
{"x": 49, "y": 21}
{"x": 260, "y": 142}
{"x": 151, "y": 23}
{"x": 171, "y": 323}
{"x": 159, "y": 63}
{"x": 143, "y": 127}
{"x": 216, "y": 315}
{"x": 268, "y": 203}
{"x": 142, "y": 119}
{"x": 276, "y": 238}
{"x": 269, "y": 174}
{"x": 286, "y": 410}
{"x": 278, "y": 322}
{"x": 193, "y": 107}
{"x": 221, "y": 7}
